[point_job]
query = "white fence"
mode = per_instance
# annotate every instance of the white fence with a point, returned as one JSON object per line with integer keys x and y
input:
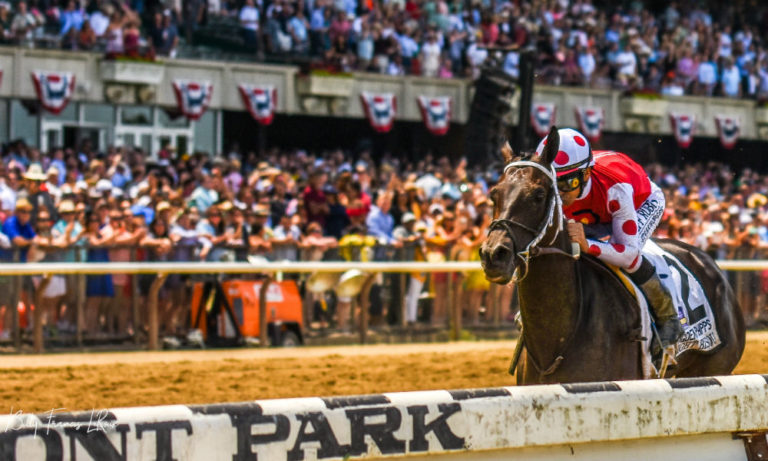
{"x": 274, "y": 267}
{"x": 269, "y": 269}
{"x": 703, "y": 419}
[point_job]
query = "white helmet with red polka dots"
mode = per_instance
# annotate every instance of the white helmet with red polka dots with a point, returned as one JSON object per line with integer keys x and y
{"x": 573, "y": 153}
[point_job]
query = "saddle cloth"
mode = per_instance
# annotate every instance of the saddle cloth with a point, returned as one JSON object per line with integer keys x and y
{"x": 688, "y": 296}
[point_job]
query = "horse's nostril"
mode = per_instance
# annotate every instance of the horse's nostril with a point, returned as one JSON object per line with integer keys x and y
{"x": 500, "y": 254}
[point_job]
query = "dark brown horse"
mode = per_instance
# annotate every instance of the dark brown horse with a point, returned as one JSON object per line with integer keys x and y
{"x": 580, "y": 323}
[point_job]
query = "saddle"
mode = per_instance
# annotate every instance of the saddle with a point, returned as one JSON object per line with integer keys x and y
{"x": 688, "y": 296}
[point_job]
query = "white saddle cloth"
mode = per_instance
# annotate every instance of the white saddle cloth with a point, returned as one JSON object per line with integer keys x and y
{"x": 692, "y": 306}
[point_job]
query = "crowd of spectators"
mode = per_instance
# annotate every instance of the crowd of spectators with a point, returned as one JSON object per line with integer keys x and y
{"x": 688, "y": 47}
{"x": 81, "y": 205}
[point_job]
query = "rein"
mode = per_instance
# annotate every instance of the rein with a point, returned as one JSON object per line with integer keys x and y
{"x": 555, "y": 206}
{"x": 532, "y": 250}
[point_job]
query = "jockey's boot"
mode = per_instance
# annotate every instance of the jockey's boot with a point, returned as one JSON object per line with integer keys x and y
{"x": 667, "y": 321}
{"x": 659, "y": 297}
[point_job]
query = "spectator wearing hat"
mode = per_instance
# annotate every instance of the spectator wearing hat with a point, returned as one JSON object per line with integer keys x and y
{"x": 68, "y": 230}
{"x": 315, "y": 244}
{"x": 313, "y": 197}
{"x": 46, "y": 247}
{"x": 239, "y": 232}
{"x": 51, "y": 184}
{"x": 337, "y": 220}
{"x": 260, "y": 239}
{"x": 37, "y": 196}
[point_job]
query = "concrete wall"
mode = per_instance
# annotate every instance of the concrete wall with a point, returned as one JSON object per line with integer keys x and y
{"x": 137, "y": 83}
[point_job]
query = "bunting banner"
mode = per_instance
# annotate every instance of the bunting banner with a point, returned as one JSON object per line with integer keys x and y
{"x": 261, "y": 102}
{"x": 591, "y": 121}
{"x": 380, "y": 110}
{"x": 54, "y": 89}
{"x": 728, "y": 130}
{"x": 683, "y": 125}
{"x": 543, "y": 117}
{"x": 436, "y": 113}
{"x": 193, "y": 98}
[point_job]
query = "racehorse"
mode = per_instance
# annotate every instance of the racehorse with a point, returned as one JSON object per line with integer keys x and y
{"x": 579, "y": 322}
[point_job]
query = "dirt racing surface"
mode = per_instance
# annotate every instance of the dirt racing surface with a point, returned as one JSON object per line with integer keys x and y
{"x": 85, "y": 381}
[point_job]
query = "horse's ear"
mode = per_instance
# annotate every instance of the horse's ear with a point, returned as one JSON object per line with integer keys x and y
{"x": 551, "y": 147}
{"x": 507, "y": 153}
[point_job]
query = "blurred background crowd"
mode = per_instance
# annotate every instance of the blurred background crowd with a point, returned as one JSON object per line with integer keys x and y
{"x": 80, "y": 205}
{"x": 673, "y": 48}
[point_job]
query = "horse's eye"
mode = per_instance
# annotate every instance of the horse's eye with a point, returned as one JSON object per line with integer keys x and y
{"x": 539, "y": 195}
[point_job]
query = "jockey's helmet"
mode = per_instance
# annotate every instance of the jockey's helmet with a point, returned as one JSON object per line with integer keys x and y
{"x": 574, "y": 156}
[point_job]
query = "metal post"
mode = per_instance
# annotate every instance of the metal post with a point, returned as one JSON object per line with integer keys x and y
{"x": 263, "y": 340}
{"x": 526, "y": 101}
{"x": 17, "y": 285}
{"x": 404, "y": 279}
{"x": 365, "y": 302}
{"x": 37, "y": 315}
{"x": 135, "y": 313}
{"x": 154, "y": 324}
{"x": 451, "y": 305}
{"x": 80, "y": 281}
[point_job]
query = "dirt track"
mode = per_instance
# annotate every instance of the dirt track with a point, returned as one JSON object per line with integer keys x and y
{"x": 102, "y": 380}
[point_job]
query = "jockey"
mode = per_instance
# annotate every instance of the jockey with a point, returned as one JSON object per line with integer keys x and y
{"x": 612, "y": 195}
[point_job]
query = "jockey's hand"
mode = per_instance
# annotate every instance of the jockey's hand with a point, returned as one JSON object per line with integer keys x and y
{"x": 576, "y": 233}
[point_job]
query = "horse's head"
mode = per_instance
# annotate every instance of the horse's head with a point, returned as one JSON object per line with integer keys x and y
{"x": 524, "y": 202}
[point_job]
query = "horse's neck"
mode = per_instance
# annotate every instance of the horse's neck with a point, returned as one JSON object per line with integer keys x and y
{"x": 549, "y": 303}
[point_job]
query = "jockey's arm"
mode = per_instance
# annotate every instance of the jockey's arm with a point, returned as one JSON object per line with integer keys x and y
{"x": 623, "y": 247}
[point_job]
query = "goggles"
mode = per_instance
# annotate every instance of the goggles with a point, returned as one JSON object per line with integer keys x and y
{"x": 570, "y": 182}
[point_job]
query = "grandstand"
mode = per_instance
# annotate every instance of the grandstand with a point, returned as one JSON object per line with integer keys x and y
{"x": 215, "y": 131}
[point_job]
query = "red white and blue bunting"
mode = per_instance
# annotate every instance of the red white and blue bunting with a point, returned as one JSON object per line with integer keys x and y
{"x": 436, "y": 113}
{"x": 380, "y": 110}
{"x": 728, "y": 130}
{"x": 543, "y": 117}
{"x": 591, "y": 121}
{"x": 54, "y": 89}
{"x": 193, "y": 98}
{"x": 684, "y": 127}
{"x": 261, "y": 102}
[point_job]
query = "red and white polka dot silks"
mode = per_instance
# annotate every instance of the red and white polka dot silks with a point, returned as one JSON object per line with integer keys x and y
{"x": 573, "y": 151}
{"x": 617, "y": 188}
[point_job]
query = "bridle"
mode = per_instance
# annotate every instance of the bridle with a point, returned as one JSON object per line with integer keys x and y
{"x": 555, "y": 206}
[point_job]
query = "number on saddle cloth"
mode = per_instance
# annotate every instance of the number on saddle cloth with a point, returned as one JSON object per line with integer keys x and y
{"x": 689, "y": 298}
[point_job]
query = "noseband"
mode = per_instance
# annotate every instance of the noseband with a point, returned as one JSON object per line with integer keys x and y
{"x": 555, "y": 205}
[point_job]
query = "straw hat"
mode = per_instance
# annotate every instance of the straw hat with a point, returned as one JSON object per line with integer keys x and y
{"x": 23, "y": 204}
{"x": 35, "y": 173}
{"x": 67, "y": 206}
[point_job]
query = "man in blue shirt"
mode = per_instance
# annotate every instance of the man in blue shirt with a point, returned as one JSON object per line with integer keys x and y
{"x": 19, "y": 229}
{"x": 380, "y": 223}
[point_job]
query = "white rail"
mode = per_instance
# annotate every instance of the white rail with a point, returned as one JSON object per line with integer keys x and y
{"x": 274, "y": 267}
{"x": 702, "y": 419}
